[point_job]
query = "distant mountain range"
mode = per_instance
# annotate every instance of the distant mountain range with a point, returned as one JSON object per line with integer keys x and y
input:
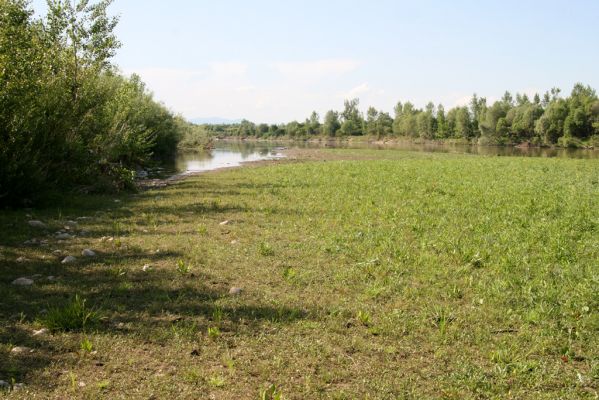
{"x": 214, "y": 121}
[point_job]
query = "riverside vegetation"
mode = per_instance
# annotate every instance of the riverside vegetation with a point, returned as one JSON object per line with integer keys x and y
{"x": 547, "y": 121}
{"x": 68, "y": 119}
{"x": 376, "y": 274}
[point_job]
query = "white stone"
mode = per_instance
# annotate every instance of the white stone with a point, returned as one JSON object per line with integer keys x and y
{"x": 51, "y": 278}
{"x": 57, "y": 252}
{"x": 40, "y": 332}
{"x": 71, "y": 224}
{"x": 21, "y": 350}
{"x": 224, "y": 222}
{"x": 88, "y": 253}
{"x": 146, "y": 268}
{"x": 21, "y": 259}
{"x": 23, "y": 282}
{"x": 83, "y": 218}
{"x": 235, "y": 291}
{"x": 69, "y": 260}
{"x": 37, "y": 224}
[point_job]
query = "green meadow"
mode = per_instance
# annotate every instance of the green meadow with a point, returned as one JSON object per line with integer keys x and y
{"x": 363, "y": 274}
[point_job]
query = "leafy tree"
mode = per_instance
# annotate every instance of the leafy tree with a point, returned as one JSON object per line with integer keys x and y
{"x": 463, "y": 123}
{"x": 352, "y": 120}
{"x": 331, "y": 123}
{"x": 313, "y": 124}
{"x": 550, "y": 126}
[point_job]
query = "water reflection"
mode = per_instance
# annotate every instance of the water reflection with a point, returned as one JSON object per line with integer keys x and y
{"x": 233, "y": 153}
{"x": 225, "y": 155}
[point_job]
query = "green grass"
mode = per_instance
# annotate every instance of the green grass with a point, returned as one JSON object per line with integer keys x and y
{"x": 365, "y": 274}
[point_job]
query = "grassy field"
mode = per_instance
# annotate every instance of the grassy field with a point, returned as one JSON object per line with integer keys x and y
{"x": 364, "y": 274}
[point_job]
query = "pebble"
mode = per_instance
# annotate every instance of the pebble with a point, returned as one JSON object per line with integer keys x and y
{"x": 83, "y": 218}
{"x": 40, "y": 332}
{"x": 23, "y": 282}
{"x": 146, "y": 268}
{"x": 4, "y": 385}
{"x": 63, "y": 236}
{"x": 37, "y": 224}
{"x": 70, "y": 224}
{"x": 106, "y": 239}
{"x": 21, "y": 350}
{"x": 57, "y": 252}
{"x": 235, "y": 291}
{"x": 68, "y": 260}
{"x": 51, "y": 278}
{"x": 18, "y": 386}
{"x": 233, "y": 241}
{"x": 21, "y": 259}
{"x": 224, "y": 222}
{"x": 88, "y": 253}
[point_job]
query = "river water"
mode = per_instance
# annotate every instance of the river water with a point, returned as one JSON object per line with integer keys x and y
{"x": 234, "y": 153}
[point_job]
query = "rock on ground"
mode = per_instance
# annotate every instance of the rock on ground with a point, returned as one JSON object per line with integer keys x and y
{"x": 23, "y": 282}
{"x": 40, "y": 332}
{"x": 235, "y": 291}
{"x": 36, "y": 224}
{"x": 88, "y": 253}
{"x": 69, "y": 260}
{"x": 21, "y": 350}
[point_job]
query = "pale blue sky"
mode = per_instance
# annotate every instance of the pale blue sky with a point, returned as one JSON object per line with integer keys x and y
{"x": 274, "y": 61}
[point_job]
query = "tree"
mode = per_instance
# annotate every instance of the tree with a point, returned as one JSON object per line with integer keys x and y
{"x": 352, "y": 120}
{"x": 442, "y": 128}
{"x": 331, "y": 123}
{"x": 313, "y": 124}
{"x": 550, "y": 126}
{"x": 463, "y": 123}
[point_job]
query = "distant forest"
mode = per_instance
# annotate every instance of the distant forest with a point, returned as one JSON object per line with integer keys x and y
{"x": 549, "y": 119}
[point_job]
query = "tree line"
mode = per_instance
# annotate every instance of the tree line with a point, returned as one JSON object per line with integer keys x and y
{"x": 68, "y": 118}
{"x": 543, "y": 120}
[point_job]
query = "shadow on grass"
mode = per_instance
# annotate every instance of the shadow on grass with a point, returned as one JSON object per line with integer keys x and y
{"x": 133, "y": 303}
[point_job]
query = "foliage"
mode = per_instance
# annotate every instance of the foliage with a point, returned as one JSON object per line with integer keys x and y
{"x": 549, "y": 121}
{"x": 74, "y": 316}
{"x": 67, "y": 118}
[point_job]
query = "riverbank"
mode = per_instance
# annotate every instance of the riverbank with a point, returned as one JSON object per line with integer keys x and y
{"x": 402, "y": 141}
{"x": 353, "y": 274}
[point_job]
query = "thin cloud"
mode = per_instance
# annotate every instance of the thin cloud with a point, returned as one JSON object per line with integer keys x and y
{"x": 358, "y": 91}
{"x": 315, "y": 69}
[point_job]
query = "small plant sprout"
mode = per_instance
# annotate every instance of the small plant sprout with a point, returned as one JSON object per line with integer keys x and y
{"x": 202, "y": 229}
{"x": 217, "y": 381}
{"x": 217, "y": 315}
{"x": 86, "y": 346}
{"x": 266, "y": 249}
{"x": 213, "y": 332}
{"x": 363, "y": 317}
{"x": 182, "y": 267}
{"x": 271, "y": 393}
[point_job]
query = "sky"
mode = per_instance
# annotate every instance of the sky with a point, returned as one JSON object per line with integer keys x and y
{"x": 277, "y": 61}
